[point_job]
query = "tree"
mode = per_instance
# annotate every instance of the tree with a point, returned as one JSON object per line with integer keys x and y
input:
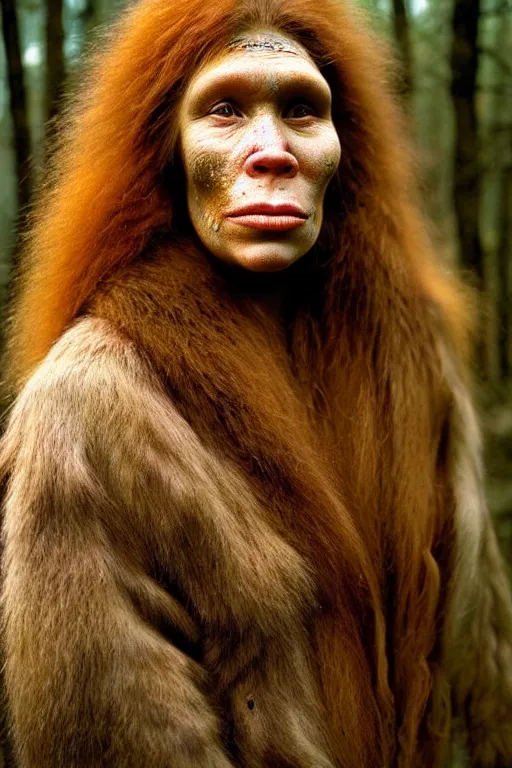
{"x": 18, "y": 102}
{"x": 91, "y": 15}
{"x": 402, "y": 35}
{"x": 504, "y": 256}
{"x": 55, "y": 69}
{"x": 502, "y": 133}
{"x": 467, "y": 172}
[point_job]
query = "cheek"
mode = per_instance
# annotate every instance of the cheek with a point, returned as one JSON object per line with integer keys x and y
{"x": 323, "y": 160}
{"x": 208, "y": 179}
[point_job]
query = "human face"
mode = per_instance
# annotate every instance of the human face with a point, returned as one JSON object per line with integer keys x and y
{"x": 259, "y": 148}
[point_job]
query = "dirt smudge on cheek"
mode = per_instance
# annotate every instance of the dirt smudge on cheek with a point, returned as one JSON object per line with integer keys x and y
{"x": 212, "y": 177}
{"x": 206, "y": 172}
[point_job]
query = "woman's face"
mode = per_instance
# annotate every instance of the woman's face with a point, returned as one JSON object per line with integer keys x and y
{"x": 259, "y": 148}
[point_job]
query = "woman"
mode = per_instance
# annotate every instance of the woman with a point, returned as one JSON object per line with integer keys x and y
{"x": 244, "y": 522}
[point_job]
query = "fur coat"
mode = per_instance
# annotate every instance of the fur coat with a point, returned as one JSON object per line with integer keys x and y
{"x": 219, "y": 553}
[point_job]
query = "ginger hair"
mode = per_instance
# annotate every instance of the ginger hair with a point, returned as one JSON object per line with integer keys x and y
{"x": 110, "y": 183}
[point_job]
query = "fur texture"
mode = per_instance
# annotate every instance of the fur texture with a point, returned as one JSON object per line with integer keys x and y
{"x": 478, "y": 630}
{"x": 236, "y": 534}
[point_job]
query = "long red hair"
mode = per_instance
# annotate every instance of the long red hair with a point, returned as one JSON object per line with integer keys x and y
{"x": 364, "y": 341}
{"x": 109, "y": 187}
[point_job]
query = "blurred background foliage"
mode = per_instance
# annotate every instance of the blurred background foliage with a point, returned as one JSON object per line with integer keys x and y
{"x": 456, "y": 83}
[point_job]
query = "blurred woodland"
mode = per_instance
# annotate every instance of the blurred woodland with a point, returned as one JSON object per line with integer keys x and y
{"x": 456, "y": 83}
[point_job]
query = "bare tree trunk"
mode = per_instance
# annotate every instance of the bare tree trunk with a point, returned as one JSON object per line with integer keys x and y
{"x": 498, "y": 184}
{"x": 55, "y": 70}
{"x": 403, "y": 40}
{"x": 18, "y": 101}
{"x": 93, "y": 14}
{"x": 504, "y": 258}
{"x": 467, "y": 178}
{"x": 467, "y": 171}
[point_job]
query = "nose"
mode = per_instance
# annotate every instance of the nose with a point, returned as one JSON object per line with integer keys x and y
{"x": 272, "y": 161}
{"x": 270, "y": 156}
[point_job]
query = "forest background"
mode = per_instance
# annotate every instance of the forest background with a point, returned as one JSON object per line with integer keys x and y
{"x": 456, "y": 84}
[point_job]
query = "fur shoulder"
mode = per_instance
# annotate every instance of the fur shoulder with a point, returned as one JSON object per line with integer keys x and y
{"x": 89, "y": 370}
{"x": 90, "y": 348}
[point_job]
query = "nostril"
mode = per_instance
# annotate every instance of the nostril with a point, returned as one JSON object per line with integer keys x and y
{"x": 275, "y": 163}
{"x": 284, "y": 170}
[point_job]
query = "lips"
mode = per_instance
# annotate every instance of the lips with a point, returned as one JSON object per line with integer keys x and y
{"x": 269, "y": 217}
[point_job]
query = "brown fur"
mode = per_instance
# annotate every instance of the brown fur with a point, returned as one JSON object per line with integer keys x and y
{"x": 213, "y": 502}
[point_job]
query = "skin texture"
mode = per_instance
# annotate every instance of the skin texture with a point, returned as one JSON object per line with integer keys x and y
{"x": 255, "y": 127}
{"x": 235, "y": 536}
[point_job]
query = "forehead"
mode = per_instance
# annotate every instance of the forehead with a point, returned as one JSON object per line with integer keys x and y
{"x": 267, "y": 41}
{"x": 258, "y": 59}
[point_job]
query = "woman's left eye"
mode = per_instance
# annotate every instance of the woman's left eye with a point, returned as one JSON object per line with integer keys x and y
{"x": 300, "y": 110}
{"x": 223, "y": 110}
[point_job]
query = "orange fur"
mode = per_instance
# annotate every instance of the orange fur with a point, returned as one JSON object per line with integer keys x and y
{"x": 107, "y": 193}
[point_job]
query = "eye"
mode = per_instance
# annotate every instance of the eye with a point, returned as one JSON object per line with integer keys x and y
{"x": 225, "y": 109}
{"x": 301, "y": 109}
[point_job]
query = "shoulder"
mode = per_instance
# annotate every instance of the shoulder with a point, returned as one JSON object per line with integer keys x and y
{"x": 91, "y": 352}
{"x": 95, "y": 428}
{"x": 96, "y": 407}
{"x": 91, "y": 383}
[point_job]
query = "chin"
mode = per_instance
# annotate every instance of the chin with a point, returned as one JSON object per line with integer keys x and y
{"x": 265, "y": 260}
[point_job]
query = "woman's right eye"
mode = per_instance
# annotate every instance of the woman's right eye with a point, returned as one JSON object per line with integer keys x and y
{"x": 223, "y": 110}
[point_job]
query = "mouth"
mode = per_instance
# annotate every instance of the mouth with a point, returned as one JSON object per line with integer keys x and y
{"x": 266, "y": 216}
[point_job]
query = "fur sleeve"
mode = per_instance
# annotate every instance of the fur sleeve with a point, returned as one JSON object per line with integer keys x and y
{"x": 478, "y": 641}
{"x": 91, "y": 681}
{"x": 130, "y": 550}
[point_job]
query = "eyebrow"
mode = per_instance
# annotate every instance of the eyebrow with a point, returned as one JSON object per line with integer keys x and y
{"x": 272, "y": 82}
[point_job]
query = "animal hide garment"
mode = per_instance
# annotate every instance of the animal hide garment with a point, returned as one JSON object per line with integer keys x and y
{"x": 240, "y": 539}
